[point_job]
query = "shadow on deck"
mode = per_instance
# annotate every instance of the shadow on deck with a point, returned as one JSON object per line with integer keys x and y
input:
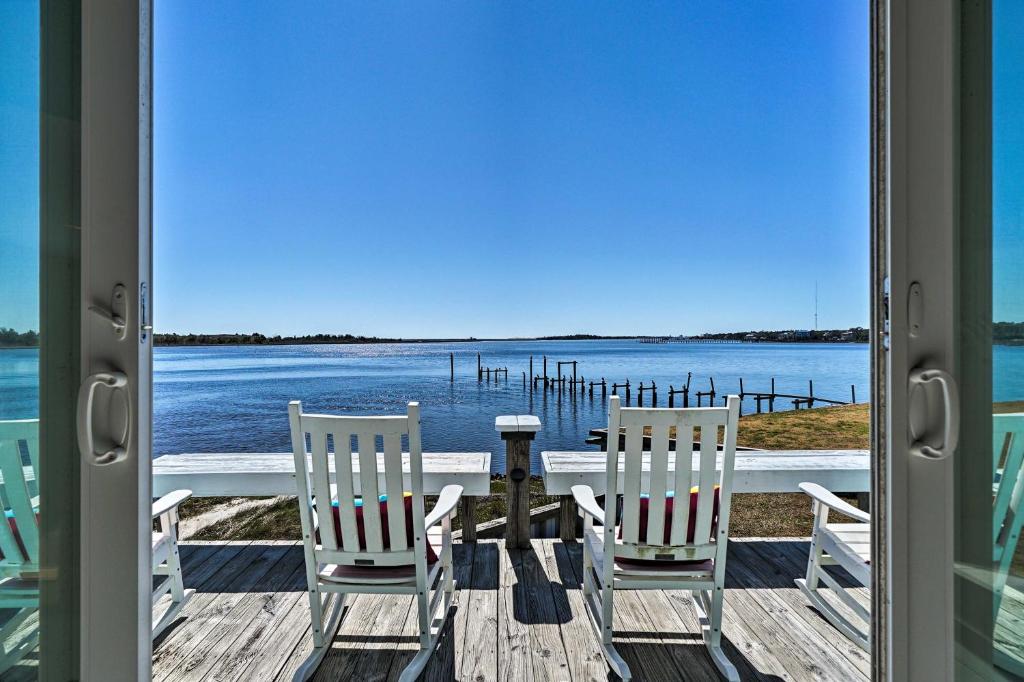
{"x": 516, "y": 612}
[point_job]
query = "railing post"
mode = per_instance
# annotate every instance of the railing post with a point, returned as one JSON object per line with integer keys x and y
{"x": 518, "y": 431}
{"x": 467, "y": 514}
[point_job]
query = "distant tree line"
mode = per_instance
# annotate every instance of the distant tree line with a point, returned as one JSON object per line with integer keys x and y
{"x": 257, "y": 339}
{"x": 1008, "y": 333}
{"x": 10, "y": 338}
{"x": 851, "y": 335}
{"x": 580, "y": 337}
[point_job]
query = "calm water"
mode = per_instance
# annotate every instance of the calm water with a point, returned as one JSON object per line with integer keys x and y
{"x": 234, "y": 399}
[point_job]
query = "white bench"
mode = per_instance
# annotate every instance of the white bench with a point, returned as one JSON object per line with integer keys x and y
{"x": 267, "y": 474}
{"x": 757, "y": 471}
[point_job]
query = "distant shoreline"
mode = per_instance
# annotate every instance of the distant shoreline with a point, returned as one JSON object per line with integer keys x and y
{"x": 172, "y": 340}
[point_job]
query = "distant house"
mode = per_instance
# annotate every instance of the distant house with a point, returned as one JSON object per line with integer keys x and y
{"x": 802, "y": 334}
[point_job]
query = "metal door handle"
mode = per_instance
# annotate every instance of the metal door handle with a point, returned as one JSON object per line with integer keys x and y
{"x": 86, "y": 398}
{"x": 919, "y": 379}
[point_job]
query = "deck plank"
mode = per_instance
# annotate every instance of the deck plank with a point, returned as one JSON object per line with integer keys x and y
{"x": 547, "y": 650}
{"x": 263, "y": 629}
{"x": 357, "y": 631}
{"x": 586, "y": 662}
{"x": 479, "y": 660}
{"x": 219, "y": 583}
{"x": 291, "y": 632}
{"x": 789, "y": 613}
{"x": 513, "y": 634}
{"x": 250, "y": 598}
{"x": 519, "y": 615}
{"x": 789, "y": 559}
{"x": 445, "y": 662}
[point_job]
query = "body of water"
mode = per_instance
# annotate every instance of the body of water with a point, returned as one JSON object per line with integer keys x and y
{"x": 234, "y": 398}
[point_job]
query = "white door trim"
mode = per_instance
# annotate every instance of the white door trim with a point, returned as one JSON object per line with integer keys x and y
{"x": 116, "y": 249}
{"x": 922, "y": 193}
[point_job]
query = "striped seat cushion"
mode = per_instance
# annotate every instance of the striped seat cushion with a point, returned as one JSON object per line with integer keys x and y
{"x": 690, "y": 531}
{"x": 386, "y": 532}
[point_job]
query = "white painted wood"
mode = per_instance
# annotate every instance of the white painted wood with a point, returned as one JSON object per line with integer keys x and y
{"x": 394, "y": 490}
{"x": 682, "y": 482}
{"x": 847, "y": 545}
{"x": 605, "y": 557}
{"x": 506, "y": 423}
{"x": 516, "y": 423}
{"x": 369, "y": 490}
{"x": 115, "y": 629}
{"x": 333, "y": 573}
{"x": 167, "y": 562}
{"x": 269, "y": 474}
{"x": 757, "y": 471}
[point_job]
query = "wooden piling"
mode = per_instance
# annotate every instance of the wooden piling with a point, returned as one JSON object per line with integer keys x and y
{"x": 451, "y": 360}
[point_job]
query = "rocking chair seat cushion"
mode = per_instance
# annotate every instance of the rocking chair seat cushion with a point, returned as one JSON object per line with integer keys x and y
{"x": 385, "y": 530}
{"x": 690, "y": 531}
{"x": 381, "y": 574}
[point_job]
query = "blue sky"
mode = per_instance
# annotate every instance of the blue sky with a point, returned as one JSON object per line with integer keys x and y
{"x": 19, "y": 165}
{"x": 1008, "y": 160}
{"x": 492, "y": 169}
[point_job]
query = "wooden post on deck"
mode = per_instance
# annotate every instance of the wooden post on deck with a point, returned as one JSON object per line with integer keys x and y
{"x": 567, "y": 518}
{"x": 467, "y": 514}
{"x": 517, "y": 432}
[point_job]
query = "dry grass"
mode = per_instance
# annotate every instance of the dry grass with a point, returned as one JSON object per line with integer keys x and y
{"x": 789, "y": 514}
{"x": 844, "y": 427}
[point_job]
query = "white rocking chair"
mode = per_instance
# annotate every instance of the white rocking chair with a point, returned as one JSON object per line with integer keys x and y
{"x": 166, "y": 561}
{"x": 677, "y": 552}
{"x": 19, "y": 543}
{"x": 844, "y": 544}
{"x": 849, "y": 544}
{"x": 376, "y": 557}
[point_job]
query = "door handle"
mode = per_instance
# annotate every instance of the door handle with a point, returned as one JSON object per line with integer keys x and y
{"x": 86, "y": 399}
{"x": 920, "y": 379}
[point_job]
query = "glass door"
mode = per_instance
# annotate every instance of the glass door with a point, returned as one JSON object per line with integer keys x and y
{"x": 989, "y": 465}
{"x": 953, "y": 575}
{"x": 75, "y": 574}
{"x": 39, "y": 340}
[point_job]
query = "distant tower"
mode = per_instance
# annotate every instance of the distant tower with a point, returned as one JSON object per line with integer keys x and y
{"x": 815, "y": 305}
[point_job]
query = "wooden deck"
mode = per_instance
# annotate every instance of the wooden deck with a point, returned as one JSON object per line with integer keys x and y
{"x": 519, "y": 615}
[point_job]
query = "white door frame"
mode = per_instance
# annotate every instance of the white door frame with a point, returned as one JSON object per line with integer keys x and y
{"x": 922, "y": 189}
{"x": 116, "y": 249}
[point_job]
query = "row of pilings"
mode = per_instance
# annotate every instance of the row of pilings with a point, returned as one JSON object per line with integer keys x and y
{"x": 565, "y": 380}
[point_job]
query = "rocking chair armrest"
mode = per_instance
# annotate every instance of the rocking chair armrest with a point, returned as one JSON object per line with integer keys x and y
{"x": 446, "y": 503}
{"x": 584, "y": 496}
{"x": 831, "y": 501}
{"x": 170, "y": 501}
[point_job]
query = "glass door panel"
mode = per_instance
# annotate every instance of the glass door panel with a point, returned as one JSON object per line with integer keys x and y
{"x": 39, "y": 347}
{"x": 989, "y": 473}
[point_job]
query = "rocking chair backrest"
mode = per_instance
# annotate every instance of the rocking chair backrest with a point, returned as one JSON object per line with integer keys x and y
{"x": 315, "y": 490}
{"x": 1008, "y": 444}
{"x": 18, "y": 438}
{"x": 678, "y": 478}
